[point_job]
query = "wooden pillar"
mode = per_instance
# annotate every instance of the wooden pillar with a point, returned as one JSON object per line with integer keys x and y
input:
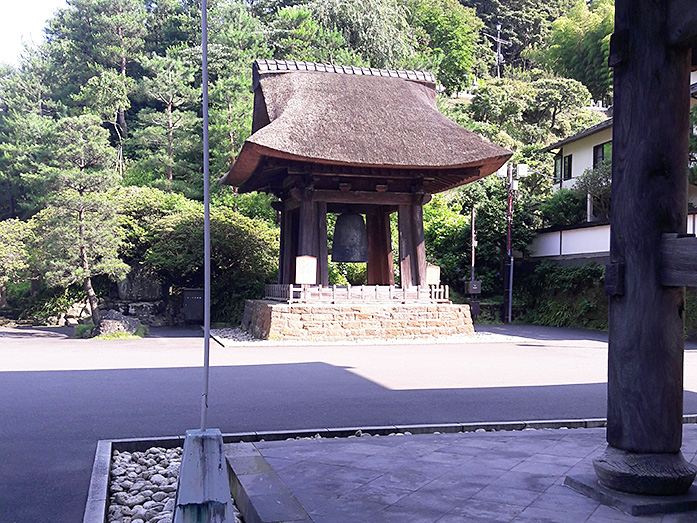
{"x": 312, "y": 236}
{"x": 649, "y": 198}
{"x": 420, "y": 264}
{"x": 282, "y": 247}
{"x": 412, "y": 248}
{"x": 307, "y": 239}
{"x": 406, "y": 246}
{"x": 322, "y": 250}
{"x": 380, "y": 265}
{"x": 289, "y": 230}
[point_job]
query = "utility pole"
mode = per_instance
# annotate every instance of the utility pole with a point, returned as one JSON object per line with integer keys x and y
{"x": 499, "y": 42}
{"x": 509, "y": 251}
{"x": 473, "y": 243}
{"x": 512, "y": 185}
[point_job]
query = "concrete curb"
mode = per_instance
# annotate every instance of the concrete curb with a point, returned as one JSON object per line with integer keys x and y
{"x": 98, "y": 496}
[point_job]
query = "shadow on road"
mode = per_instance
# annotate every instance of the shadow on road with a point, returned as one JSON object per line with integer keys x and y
{"x": 536, "y": 332}
{"x": 52, "y": 420}
{"x": 36, "y": 332}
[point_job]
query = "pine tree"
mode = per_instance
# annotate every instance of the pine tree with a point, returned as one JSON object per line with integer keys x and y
{"x": 78, "y": 231}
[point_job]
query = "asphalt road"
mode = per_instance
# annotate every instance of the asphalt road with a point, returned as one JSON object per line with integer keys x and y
{"x": 59, "y": 396}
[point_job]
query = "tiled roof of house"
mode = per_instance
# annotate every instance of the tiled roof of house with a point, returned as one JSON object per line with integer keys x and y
{"x": 586, "y": 132}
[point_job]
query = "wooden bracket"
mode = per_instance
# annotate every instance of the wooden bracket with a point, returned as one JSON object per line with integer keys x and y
{"x": 678, "y": 260}
{"x": 618, "y": 50}
{"x": 614, "y": 279}
{"x": 682, "y": 23}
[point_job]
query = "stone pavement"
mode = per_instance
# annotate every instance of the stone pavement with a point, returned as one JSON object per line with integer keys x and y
{"x": 445, "y": 478}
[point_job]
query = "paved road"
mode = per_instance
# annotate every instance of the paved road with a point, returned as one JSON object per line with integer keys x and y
{"x": 59, "y": 396}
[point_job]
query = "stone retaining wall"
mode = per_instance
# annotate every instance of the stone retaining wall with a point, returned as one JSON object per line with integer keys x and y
{"x": 282, "y": 321}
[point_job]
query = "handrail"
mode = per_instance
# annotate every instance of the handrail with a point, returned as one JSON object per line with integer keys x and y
{"x": 303, "y": 293}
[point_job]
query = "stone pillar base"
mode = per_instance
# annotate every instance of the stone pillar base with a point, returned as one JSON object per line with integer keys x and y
{"x": 650, "y": 474}
{"x": 350, "y": 322}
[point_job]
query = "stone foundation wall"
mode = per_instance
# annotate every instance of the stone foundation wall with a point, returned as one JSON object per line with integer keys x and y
{"x": 282, "y": 321}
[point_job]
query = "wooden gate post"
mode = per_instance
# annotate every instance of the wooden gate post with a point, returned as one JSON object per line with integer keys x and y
{"x": 649, "y": 199}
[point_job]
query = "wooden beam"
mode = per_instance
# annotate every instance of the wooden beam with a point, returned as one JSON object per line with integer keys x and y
{"x": 678, "y": 260}
{"x": 682, "y": 23}
{"x": 364, "y": 197}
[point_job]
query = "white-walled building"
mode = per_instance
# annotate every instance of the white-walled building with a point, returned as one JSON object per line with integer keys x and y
{"x": 573, "y": 156}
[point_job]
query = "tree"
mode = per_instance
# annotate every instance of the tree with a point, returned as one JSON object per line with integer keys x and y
{"x": 596, "y": 183}
{"x": 534, "y": 112}
{"x": 524, "y": 23}
{"x": 489, "y": 197}
{"x": 377, "y": 30}
{"x": 106, "y": 95}
{"x": 165, "y": 131}
{"x": 579, "y": 46}
{"x": 564, "y": 207}
{"x": 26, "y": 123}
{"x": 296, "y": 35}
{"x": 92, "y": 35}
{"x": 78, "y": 231}
{"x": 244, "y": 256}
{"x": 14, "y": 258}
{"x": 452, "y": 32}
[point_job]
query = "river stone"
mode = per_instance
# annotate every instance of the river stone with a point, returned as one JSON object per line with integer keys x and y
{"x": 138, "y": 499}
{"x": 159, "y": 496}
{"x": 158, "y": 479}
{"x": 120, "y": 498}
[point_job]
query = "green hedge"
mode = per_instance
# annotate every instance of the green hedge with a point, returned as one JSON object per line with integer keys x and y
{"x": 564, "y": 296}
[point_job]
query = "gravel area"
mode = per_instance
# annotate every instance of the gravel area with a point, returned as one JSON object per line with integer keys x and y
{"x": 143, "y": 486}
{"x": 236, "y": 336}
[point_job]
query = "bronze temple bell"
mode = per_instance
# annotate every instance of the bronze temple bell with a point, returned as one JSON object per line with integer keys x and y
{"x": 350, "y": 239}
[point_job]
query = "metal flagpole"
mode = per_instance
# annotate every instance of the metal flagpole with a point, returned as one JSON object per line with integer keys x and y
{"x": 203, "y": 490}
{"x": 206, "y": 222}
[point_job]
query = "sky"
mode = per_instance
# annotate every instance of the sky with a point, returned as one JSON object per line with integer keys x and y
{"x": 23, "y": 20}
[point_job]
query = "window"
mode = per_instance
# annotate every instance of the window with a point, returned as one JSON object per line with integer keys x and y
{"x": 602, "y": 152}
{"x": 557, "y": 168}
{"x": 567, "y": 167}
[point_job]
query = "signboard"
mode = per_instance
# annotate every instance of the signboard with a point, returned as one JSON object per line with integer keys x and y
{"x": 306, "y": 270}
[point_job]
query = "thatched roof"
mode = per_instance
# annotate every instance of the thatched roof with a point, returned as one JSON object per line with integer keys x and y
{"x": 356, "y": 117}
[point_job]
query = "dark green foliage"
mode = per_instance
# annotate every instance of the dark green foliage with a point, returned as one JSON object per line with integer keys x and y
{"x": 450, "y": 231}
{"x": 244, "y": 256}
{"x": 533, "y": 112}
{"x": 447, "y": 234}
{"x": 139, "y": 211}
{"x": 564, "y": 207}
{"x": 451, "y": 32}
{"x": 597, "y": 183}
{"x": 51, "y": 302}
{"x": 579, "y": 46}
{"x": 525, "y": 23}
{"x": 563, "y": 296}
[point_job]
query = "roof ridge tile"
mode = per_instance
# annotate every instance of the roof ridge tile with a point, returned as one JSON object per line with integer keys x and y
{"x": 264, "y": 65}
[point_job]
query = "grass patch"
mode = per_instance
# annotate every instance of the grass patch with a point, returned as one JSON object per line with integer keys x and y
{"x": 142, "y": 332}
{"x": 83, "y": 331}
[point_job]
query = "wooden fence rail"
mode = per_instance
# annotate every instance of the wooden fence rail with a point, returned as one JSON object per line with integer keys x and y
{"x": 290, "y": 293}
